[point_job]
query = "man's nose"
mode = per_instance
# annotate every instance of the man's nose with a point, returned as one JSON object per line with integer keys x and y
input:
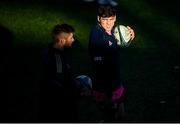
{"x": 108, "y": 22}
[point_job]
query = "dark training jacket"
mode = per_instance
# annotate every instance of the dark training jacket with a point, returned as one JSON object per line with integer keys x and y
{"x": 57, "y": 68}
{"x": 104, "y": 55}
{"x": 58, "y": 92}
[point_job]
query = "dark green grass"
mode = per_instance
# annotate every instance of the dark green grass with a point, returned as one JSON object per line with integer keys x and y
{"x": 150, "y": 66}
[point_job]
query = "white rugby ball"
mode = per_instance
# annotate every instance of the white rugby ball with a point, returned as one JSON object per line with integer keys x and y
{"x": 121, "y": 35}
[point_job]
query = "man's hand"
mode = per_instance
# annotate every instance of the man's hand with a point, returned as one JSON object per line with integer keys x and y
{"x": 131, "y": 32}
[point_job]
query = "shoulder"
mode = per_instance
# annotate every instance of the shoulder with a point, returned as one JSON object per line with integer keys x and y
{"x": 97, "y": 28}
{"x": 97, "y": 32}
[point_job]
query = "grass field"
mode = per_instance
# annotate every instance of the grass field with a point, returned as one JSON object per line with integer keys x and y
{"x": 150, "y": 66}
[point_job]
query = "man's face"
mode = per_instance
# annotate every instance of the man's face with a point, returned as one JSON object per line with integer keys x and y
{"x": 69, "y": 40}
{"x": 65, "y": 40}
{"x": 107, "y": 22}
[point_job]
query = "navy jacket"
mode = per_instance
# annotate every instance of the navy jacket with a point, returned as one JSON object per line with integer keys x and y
{"x": 57, "y": 72}
{"x": 58, "y": 95}
{"x": 104, "y": 53}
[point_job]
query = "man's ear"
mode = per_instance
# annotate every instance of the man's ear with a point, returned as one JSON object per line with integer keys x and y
{"x": 115, "y": 18}
{"x": 63, "y": 40}
{"x": 98, "y": 18}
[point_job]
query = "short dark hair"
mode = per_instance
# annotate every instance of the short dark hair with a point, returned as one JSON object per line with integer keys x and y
{"x": 62, "y": 28}
{"x": 106, "y": 11}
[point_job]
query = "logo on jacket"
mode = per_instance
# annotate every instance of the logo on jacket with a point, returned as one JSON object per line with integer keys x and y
{"x": 110, "y": 43}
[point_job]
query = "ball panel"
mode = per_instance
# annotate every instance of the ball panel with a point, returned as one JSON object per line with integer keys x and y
{"x": 124, "y": 33}
{"x": 122, "y": 36}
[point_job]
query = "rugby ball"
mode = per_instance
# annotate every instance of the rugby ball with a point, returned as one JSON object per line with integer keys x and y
{"x": 84, "y": 84}
{"x": 121, "y": 35}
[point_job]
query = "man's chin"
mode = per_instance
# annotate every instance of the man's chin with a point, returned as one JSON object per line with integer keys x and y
{"x": 108, "y": 30}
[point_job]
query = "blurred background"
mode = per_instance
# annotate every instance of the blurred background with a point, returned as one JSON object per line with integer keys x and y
{"x": 150, "y": 65}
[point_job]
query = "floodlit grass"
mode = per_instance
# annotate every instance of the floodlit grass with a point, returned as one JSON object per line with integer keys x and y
{"x": 161, "y": 25}
{"x": 33, "y": 23}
